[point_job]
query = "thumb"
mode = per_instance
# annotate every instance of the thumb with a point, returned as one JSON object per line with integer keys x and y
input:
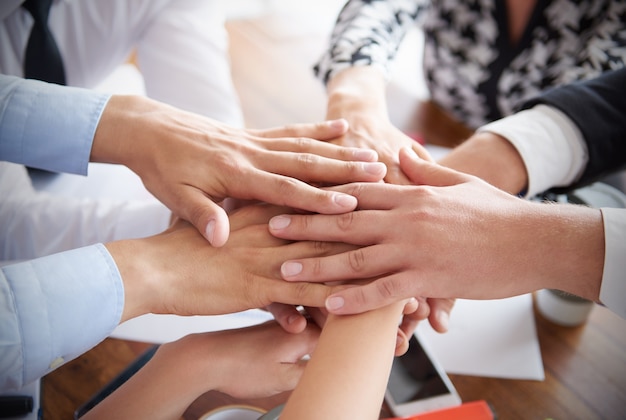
{"x": 422, "y": 172}
{"x": 209, "y": 218}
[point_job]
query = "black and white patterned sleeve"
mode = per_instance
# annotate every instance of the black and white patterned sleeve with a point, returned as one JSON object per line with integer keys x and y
{"x": 367, "y": 33}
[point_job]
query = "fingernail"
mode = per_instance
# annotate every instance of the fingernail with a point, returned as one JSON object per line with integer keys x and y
{"x": 280, "y": 222}
{"x": 399, "y": 340}
{"x": 365, "y": 155}
{"x": 345, "y": 200}
{"x": 292, "y": 319}
{"x": 334, "y": 303}
{"x": 340, "y": 123}
{"x": 210, "y": 230}
{"x": 375, "y": 168}
{"x": 290, "y": 269}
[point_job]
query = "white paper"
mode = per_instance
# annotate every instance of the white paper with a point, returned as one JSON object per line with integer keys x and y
{"x": 159, "y": 329}
{"x": 493, "y": 338}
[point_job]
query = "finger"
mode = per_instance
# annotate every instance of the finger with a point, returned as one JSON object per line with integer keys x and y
{"x": 421, "y": 172}
{"x": 311, "y": 167}
{"x": 375, "y": 196}
{"x": 324, "y": 130}
{"x": 288, "y": 316}
{"x": 402, "y": 343}
{"x": 320, "y": 148}
{"x": 411, "y": 321}
{"x": 254, "y": 214}
{"x": 207, "y": 216}
{"x": 421, "y": 152}
{"x": 440, "y": 310}
{"x": 319, "y": 315}
{"x": 395, "y": 175}
{"x": 362, "y": 263}
{"x": 374, "y": 295}
{"x": 305, "y": 294}
{"x": 358, "y": 227}
{"x": 290, "y": 192}
{"x": 411, "y": 306}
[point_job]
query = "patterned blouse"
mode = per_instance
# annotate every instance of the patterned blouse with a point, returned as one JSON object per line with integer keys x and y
{"x": 472, "y": 70}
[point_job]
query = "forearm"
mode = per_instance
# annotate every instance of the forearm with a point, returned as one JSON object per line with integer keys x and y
{"x": 348, "y": 371}
{"x": 165, "y": 387}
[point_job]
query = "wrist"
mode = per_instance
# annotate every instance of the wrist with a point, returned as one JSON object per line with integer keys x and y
{"x": 357, "y": 91}
{"x": 121, "y": 130}
{"x": 197, "y": 362}
{"x": 492, "y": 158}
{"x": 571, "y": 248}
{"x": 138, "y": 276}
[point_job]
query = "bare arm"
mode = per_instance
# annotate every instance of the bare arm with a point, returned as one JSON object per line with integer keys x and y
{"x": 348, "y": 372}
{"x": 358, "y": 95}
{"x": 251, "y": 362}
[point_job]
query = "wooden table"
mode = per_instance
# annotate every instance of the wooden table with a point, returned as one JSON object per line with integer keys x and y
{"x": 585, "y": 377}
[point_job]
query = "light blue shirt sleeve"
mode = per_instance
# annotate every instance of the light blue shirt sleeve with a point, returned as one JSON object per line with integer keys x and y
{"x": 47, "y": 126}
{"x": 55, "y": 308}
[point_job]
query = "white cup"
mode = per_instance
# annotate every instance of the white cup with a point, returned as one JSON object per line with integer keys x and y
{"x": 233, "y": 412}
{"x": 563, "y": 308}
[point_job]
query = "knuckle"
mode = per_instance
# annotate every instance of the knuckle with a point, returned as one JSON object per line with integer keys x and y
{"x": 286, "y": 186}
{"x": 308, "y": 160}
{"x": 316, "y": 268}
{"x": 387, "y": 289}
{"x": 321, "y": 247}
{"x": 356, "y": 260}
{"x": 303, "y": 143}
{"x": 345, "y": 221}
{"x": 355, "y": 189}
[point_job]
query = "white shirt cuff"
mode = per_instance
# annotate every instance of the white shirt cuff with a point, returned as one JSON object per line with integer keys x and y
{"x": 613, "y": 289}
{"x": 550, "y": 144}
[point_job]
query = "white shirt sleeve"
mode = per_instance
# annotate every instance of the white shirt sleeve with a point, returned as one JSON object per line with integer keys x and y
{"x": 37, "y": 223}
{"x": 613, "y": 289}
{"x": 55, "y": 308}
{"x": 550, "y": 144}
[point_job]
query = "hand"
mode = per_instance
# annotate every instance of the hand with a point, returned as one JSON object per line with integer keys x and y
{"x": 357, "y": 94}
{"x": 190, "y": 162}
{"x": 254, "y": 362}
{"x": 178, "y": 272}
{"x": 450, "y": 236}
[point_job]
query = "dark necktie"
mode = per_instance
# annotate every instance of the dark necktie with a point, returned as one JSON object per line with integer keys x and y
{"x": 42, "y": 60}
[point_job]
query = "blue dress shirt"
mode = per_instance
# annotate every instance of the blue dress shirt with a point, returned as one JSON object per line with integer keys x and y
{"x": 54, "y": 308}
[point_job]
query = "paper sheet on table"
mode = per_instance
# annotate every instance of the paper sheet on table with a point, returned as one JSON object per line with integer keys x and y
{"x": 153, "y": 328}
{"x": 494, "y": 338}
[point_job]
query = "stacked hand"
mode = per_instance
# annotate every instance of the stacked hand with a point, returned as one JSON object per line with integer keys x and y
{"x": 450, "y": 235}
{"x": 191, "y": 163}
